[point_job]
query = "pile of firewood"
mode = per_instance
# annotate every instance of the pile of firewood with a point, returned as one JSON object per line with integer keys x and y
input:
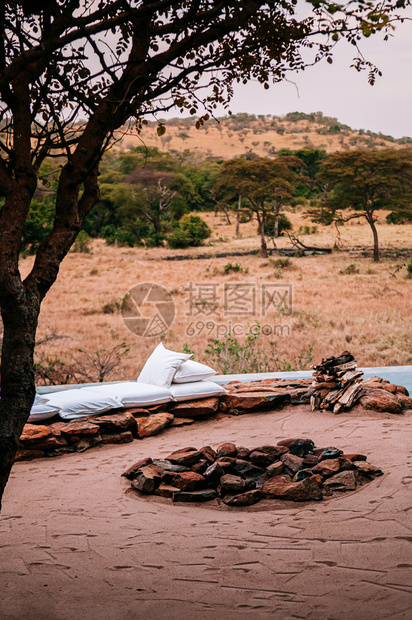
{"x": 337, "y": 383}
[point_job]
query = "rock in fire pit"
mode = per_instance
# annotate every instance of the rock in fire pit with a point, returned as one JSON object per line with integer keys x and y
{"x": 293, "y": 469}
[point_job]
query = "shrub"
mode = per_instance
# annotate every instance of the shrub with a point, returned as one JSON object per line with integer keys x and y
{"x": 284, "y": 223}
{"x": 179, "y": 239}
{"x": 255, "y": 354}
{"x": 308, "y": 230}
{"x": 409, "y": 269}
{"x": 349, "y": 270}
{"x": 282, "y": 263}
{"x": 191, "y": 231}
{"x": 119, "y": 236}
{"x": 50, "y": 370}
{"x": 236, "y": 268}
{"x": 38, "y": 225}
{"x": 82, "y": 243}
{"x": 399, "y": 217}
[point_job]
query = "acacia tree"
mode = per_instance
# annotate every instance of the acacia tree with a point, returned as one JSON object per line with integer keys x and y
{"x": 265, "y": 184}
{"x": 365, "y": 181}
{"x": 106, "y": 62}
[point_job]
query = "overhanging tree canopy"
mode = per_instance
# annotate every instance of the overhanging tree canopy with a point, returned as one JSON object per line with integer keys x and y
{"x": 107, "y": 62}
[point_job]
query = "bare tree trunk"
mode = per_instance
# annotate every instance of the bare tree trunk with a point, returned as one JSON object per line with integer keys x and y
{"x": 263, "y": 246}
{"x": 239, "y": 206}
{"x": 227, "y": 214}
{"x": 276, "y": 227}
{"x": 17, "y": 376}
{"x": 371, "y": 222}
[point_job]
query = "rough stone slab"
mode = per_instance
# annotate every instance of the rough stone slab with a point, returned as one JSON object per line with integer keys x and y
{"x": 247, "y": 470}
{"x": 310, "y": 460}
{"x": 51, "y": 443}
{"x": 227, "y": 449}
{"x": 244, "y": 402}
{"x": 138, "y": 412}
{"x": 226, "y": 461}
{"x": 209, "y": 450}
{"x": 158, "y": 408}
{"x": 401, "y": 389}
{"x": 133, "y": 469}
{"x": 380, "y": 400}
{"x": 153, "y": 424}
{"x": 196, "y": 408}
{"x": 205, "y": 495}
{"x": 34, "y": 432}
{"x": 243, "y": 453}
{"x": 124, "y": 437}
{"x": 214, "y": 472}
{"x": 182, "y": 421}
{"x": 303, "y": 491}
{"x": 404, "y": 401}
{"x": 302, "y": 474}
{"x": 261, "y": 459}
{"x": 327, "y": 468}
{"x": 275, "y": 469}
{"x": 368, "y": 470}
{"x": 343, "y": 481}
{"x": 87, "y": 442}
{"x": 274, "y": 451}
{"x": 200, "y": 467}
{"x": 27, "y": 455}
{"x": 186, "y": 456}
{"x": 188, "y": 481}
{"x": 297, "y": 446}
{"x": 244, "y": 499}
{"x": 165, "y": 490}
{"x": 116, "y": 422}
{"x": 354, "y": 457}
{"x": 168, "y": 466}
{"x": 330, "y": 453}
{"x": 147, "y": 479}
{"x": 76, "y": 428}
{"x": 230, "y": 483}
{"x": 291, "y": 463}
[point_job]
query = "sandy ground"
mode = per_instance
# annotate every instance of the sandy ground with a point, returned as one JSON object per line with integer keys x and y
{"x": 74, "y": 545}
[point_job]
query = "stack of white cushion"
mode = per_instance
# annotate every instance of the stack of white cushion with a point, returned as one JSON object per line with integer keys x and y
{"x": 167, "y": 375}
{"x": 185, "y": 378}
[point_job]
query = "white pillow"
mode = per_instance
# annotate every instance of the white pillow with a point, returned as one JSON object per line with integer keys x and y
{"x": 134, "y": 394}
{"x": 42, "y": 410}
{"x": 161, "y": 366}
{"x": 81, "y": 402}
{"x": 195, "y": 389}
{"x": 193, "y": 371}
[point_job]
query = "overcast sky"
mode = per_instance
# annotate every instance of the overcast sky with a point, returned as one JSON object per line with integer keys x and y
{"x": 342, "y": 92}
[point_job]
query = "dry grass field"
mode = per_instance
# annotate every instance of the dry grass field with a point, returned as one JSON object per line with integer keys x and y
{"x": 368, "y": 312}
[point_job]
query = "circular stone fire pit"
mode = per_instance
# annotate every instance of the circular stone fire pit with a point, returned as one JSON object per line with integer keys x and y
{"x": 293, "y": 469}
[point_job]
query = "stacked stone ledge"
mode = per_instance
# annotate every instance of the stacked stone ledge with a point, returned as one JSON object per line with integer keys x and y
{"x": 293, "y": 469}
{"x": 336, "y": 385}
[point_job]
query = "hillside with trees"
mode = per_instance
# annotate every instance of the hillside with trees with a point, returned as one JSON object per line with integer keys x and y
{"x": 238, "y": 134}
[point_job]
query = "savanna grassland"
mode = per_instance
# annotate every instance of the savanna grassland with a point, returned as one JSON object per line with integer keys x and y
{"x": 340, "y": 301}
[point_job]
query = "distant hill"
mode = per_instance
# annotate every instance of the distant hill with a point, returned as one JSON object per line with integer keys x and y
{"x": 235, "y": 135}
